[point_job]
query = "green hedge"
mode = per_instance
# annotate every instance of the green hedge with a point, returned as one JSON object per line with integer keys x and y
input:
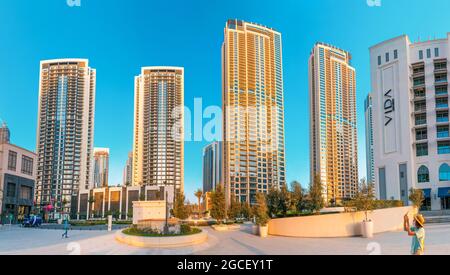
{"x": 186, "y": 230}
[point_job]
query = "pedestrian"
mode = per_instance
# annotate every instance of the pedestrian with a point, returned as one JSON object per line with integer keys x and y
{"x": 417, "y": 232}
{"x": 66, "y": 228}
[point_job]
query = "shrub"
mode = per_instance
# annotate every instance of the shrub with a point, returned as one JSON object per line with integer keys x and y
{"x": 262, "y": 218}
{"x": 417, "y": 197}
{"x": 218, "y": 206}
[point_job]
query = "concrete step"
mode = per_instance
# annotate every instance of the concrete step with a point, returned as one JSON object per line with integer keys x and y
{"x": 438, "y": 219}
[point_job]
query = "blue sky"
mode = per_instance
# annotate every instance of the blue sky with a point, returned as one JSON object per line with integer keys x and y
{"x": 121, "y": 36}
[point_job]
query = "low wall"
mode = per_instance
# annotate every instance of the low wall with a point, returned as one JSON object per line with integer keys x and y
{"x": 162, "y": 242}
{"x": 338, "y": 225}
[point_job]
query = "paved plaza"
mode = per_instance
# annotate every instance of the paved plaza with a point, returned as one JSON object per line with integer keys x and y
{"x": 17, "y": 240}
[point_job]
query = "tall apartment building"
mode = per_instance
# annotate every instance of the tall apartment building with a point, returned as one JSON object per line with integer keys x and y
{"x": 158, "y": 150}
{"x": 212, "y": 166}
{"x": 333, "y": 134}
{"x": 411, "y": 119}
{"x": 4, "y": 133}
{"x": 253, "y": 104}
{"x": 128, "y": 170}
{"x": 369, "y": 139}
{"x": 101, "y": 167}
{"x": 65, "y": 132}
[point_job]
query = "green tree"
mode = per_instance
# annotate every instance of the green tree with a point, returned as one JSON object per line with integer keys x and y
{"x": 180, "y": 210}
{"x": 297, "y": 197}
{"x": 417, "y": 197}
{"x": 273, "y": 201}
{"x": 218, "y": 206}
{"x": 316, "y": 202}
{"x": 235, "y": 209}
{"x": 246, "y": 211}
{"x": 199, "y": 195}
{"x": 261, "y": 209}
{"x": 365, "y": 198}
{"x": 284, "y": 201}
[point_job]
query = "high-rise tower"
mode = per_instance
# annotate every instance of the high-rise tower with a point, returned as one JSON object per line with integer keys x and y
{"x": 158, "y": 127}
{"x": 253, "y": 104}
{"x": 333, "y": 134}
{"x": 65, "y": 132}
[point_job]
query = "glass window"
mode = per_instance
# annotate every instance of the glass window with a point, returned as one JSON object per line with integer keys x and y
{"x": 11, "y": 190}
{"x": 420, "y": 54}
{"x": 442, "y": 103}
{"x": 444, "y": 148}
{"x": 395, "y": 54}
{"x": 444, "y": 172}
{"x": 441, "y": 90}
{"x": 379, "y": 60}
{"x": 436, "y": 52}
{"x": 423, "y": 175}
{"x": 25, "y": 193}
{"x": 442, "y": 132}
{"x": 12, "y": 161}
{"x": 422, "y": 149}
{"x": 27, "y": 165}
{"x": 428, "y": 53}
{"x": 442, "y": 116}
{"x": 421, "y": 134}
{"x": 421, "y": 119}
{"x": 387, "y": 57}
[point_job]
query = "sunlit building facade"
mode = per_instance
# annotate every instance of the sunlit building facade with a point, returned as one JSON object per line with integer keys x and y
{"x": 101, "y": 167}
{"x": 333, "y": 133}
{"x": 65, "y": 132}
{"x": 253, "y": 104}
{"x": 158, "y": 151}
{"x": 411, "y": 119}
{"x": 4, "y": 133}
{"x": 369, "y": 139}
{"x": 128, "y": 170}
{"x": 212, "y": 166}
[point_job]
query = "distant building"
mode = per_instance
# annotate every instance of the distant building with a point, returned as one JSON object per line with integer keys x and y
{"x": 4, "y": 134}
{"x": 65, "y": 132}
{"x": 333, "y": 131}
{"x": 17, "y": 182}
{"x": 253, "y": 107}
{"x": 158, "y": 147}
{"x": 212, "y": 166}
{"x": 101, "y": 167}
{"x": 369, "y": 140}
{"x": 128, "y": 171}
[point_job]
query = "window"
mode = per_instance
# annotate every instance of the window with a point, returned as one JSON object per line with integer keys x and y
{"x": 419, "y": 93}
{"x": 442, "y": 116}
{"x": 12, "y": 161}
{"x": 422, "y": 149}
{"x": 436, "y": 52}
{"x": 421, "y": 134}
{"x": 421, "y": 119}
{"x": 442, "y": 132}
{"x": 441, "y": 90}
{"x": 442, "y": 103}
{"x": 444, "y": 172}
{"x": 11, "y": 191}
{"x": 395, "y": 54}
{"x": 428, "y": 53}
{"x": 420, "y": 106}
{"x": 443, "y": 147}
{"x": 423, "y": 175}
{"x": 25, "y": 193}
{"x": 387, "y": 57}
{"x": 421, "y": 55}
{"x": 419, "y": 81}
{"x": 379, "y": 60}
{"x": 27, "y": 165}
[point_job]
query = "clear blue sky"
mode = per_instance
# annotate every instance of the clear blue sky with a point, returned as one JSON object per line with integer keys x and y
{"x": 121, "y": 36}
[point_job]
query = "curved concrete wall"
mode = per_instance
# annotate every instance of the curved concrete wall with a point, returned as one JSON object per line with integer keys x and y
{"x": 162, "y": 242}
{"x": 338, "y": 225}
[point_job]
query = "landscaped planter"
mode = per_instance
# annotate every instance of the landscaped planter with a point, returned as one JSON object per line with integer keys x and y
{"x": 263, "y": 231}
{"x": 367, "y": 229}
{"x": 162, "y": 242}
{"x": 255, "y": 229}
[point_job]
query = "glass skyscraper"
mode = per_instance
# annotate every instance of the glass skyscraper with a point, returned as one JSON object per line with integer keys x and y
{"x": 253, "y": 104}
{"x": 333, "y": 133}
{"x": 65, "y": 132}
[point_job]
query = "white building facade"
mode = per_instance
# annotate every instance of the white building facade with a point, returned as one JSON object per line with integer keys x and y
{"x": 411, "y": 120}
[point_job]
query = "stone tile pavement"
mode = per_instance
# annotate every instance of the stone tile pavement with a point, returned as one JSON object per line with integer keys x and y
{"x": 21, "y": 241}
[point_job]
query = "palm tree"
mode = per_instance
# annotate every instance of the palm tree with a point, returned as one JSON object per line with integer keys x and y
{"x": 199, "y": 195}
